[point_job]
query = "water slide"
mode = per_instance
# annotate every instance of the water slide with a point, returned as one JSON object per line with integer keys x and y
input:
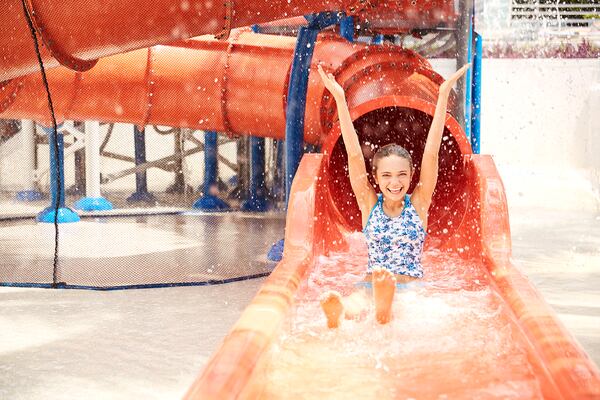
{"x": 476, "y": 328}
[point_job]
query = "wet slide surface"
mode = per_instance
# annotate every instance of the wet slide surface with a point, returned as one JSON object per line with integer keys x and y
{"x": 473, "y": 328}
{"x": 451, "y": 337}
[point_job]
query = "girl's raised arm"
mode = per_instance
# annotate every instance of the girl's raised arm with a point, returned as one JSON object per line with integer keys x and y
{"x": 429, "y": 164}
{"x": 364, "y": 192}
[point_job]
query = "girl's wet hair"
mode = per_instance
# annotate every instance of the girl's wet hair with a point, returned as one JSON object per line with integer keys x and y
{"x": 391, "y": 149}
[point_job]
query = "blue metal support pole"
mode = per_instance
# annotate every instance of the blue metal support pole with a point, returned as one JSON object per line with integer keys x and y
{"x": 257, "y": 200}
{"x": 378, "y": 39}
{"x": 294, "y": 128}
{"x": 57, "y": 183}
{"x": 298, "y": 85}
{"x": 141, "y": 180}
{"x": 347, "y": 28}
{"x": 469, "y": 80}
{"x": 296, "y": 105}
{"x": 210, "y": 160}
{"x": 476, "y": 108}
{"x": 209, "y": 200}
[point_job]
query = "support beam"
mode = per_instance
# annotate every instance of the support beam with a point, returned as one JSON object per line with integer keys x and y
{"x": 93, "y": 200}
{"x": 298, "y": 85}
{"x": 57, "y": 212}
{"x": 141, "y": 180}
{"x": 209, "y": 200}
{"x": 296, "y": 105}
{"x": 257, "y": 200}
{"x": 476, "y": 107}
{"x": 28, "y": 143}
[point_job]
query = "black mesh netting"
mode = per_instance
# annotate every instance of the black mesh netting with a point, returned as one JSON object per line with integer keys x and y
{"x": 140, "y": 251}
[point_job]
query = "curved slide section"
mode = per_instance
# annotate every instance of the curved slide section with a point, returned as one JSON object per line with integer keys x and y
{"x": 237, "y": 86}
{"x": 477, "y": 318}
{"x": 76, "y": 33}
{"x": 503, "y": 340}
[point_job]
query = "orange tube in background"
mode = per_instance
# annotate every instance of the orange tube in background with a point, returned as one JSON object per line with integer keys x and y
{"x": 76, "y": 33}
{"x": 237, "y": 86}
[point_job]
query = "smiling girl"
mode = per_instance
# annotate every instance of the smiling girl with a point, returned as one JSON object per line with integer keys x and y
{"x": 394, "y": 223}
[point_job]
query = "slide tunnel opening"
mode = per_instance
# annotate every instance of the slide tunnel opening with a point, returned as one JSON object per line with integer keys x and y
{"x": 407, "y": 127}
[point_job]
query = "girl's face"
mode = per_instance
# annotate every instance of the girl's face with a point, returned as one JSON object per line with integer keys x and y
{"x": 393, "y": 177}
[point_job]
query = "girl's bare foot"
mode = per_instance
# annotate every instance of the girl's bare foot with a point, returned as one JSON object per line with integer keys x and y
{"x": 384, "y": 287}
{"x": 331, "y": 303}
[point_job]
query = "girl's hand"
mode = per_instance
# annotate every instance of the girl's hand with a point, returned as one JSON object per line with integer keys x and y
{"x": 331, "y": 84}
{"x": 447, "y": 85}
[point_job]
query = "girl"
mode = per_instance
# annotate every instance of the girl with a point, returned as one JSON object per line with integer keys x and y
{"x": 394, "y": 223}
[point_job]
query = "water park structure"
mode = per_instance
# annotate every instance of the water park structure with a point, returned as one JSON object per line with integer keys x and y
{"x": 164, "y": 66}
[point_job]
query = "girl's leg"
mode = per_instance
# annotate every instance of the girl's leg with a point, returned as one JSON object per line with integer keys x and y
{"x": 331, "y": 303}
{"x": 335, "y": 306}
{"x": 384, "y": 287}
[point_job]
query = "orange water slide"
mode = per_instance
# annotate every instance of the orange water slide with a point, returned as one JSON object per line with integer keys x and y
{"x": 76, "y": 33}
{"x": 237, "y": 86}
{"x": 268, "y": 355}
{"x": 391, "y": 94}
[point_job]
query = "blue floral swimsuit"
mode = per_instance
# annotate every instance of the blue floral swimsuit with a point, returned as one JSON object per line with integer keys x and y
{"x": 395, "y": 243}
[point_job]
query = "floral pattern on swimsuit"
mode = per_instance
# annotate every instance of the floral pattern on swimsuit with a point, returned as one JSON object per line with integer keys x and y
{"x": 395, "y": 244}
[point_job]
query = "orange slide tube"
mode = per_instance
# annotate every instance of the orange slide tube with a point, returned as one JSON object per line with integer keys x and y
{"x": 76, "y": 33}
{"x": 237, "y": 86}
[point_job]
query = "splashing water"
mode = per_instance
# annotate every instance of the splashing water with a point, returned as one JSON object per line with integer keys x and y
{"x": 452, "y": 337}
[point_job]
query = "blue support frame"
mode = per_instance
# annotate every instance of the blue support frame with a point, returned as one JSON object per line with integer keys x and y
{"x": 296, "y": 105}
{"x": 208, "y": 201}
{"x": 298, "y": 85}
{"x": 473, "y": 88}
{"x": 476, "y": 107}
{"x": 347, "y": 28}
{"x": 257, "y": 200}
{"x": 57, "y": 211}
{"x": 141, "y": 179}
{"x": 469, "y": 82}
